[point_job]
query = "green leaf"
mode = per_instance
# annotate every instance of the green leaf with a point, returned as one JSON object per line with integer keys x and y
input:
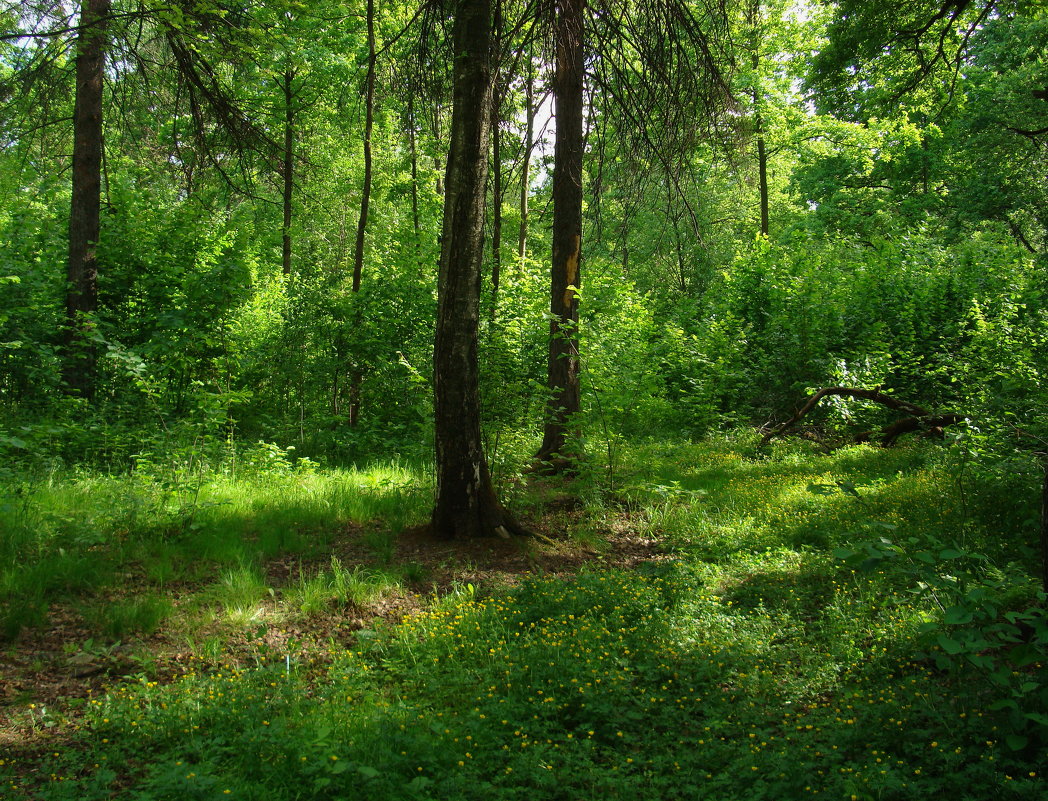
{"x": 950, "y": 553}
{"x": 958, "y": 615}
{"x": 1016, "y": 741}
{"x": 949, "y": 645}
{"x": 368, "y": 772}
{"x": 1004, "y": 703}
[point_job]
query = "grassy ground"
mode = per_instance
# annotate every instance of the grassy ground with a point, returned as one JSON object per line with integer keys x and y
{"x": 719, "y": 624}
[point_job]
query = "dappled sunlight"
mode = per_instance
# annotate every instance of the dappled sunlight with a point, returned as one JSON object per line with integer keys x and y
{"x": 733, "y": 640}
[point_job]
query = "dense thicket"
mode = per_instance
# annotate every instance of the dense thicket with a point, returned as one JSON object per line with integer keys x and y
{"x": 902, "y": 162}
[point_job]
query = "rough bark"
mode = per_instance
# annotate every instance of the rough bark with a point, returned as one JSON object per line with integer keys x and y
{"x": 79, "y": 352}
{"x": 563, "y": 362}
{"x": 918, "y": 417}
{"x": 465, "y": 504}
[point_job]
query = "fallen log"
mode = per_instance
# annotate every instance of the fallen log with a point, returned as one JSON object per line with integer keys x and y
{"x": 917, "y": 418}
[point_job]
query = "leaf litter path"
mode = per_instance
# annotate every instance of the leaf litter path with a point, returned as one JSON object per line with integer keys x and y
{"x": 49, "y": 671}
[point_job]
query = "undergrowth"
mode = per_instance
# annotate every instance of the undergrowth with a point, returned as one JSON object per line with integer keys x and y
{"x": 811, "y": 629}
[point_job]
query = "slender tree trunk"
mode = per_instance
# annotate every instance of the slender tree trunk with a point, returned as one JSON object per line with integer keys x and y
{"x": 758, "y": 118}
{"x": 79, "y": 353}
{"x": 496, "y": 194}
{"x": 438, "y": 164}
{"x": 414, "y": 176}
{"x": 563, "y": 363}
{"x": 525, "y": 176}
{"x": 465, "y": 505}
{"x": 365, "y": 202}
{"x": 289, "y": 166}
{"x": 762, "y": 172}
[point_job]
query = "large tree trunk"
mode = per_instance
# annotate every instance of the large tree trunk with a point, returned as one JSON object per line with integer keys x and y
{"x": 79, "y": 353}
{"x": 563, "y": 364}
{"x": 365, "y": 202}
{"x": 465, "y": 503}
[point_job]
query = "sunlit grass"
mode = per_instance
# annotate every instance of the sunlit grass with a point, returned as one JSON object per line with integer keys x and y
{"x": 746, "y": 662}
{"x": 66, "y": 534}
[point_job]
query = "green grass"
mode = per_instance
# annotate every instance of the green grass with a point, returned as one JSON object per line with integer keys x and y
{"x": 751, "y": 661}
{"x": 69, "y": 534}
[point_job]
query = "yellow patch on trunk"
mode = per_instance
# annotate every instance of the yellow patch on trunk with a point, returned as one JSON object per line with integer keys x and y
{"x": 572, "y": 273}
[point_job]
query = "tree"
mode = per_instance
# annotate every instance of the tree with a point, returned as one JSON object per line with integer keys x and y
{"x": 667, "y": 83}
{"x": 365, "y": 198}
{"x": 129, "y": 36}
{"x": 78, "y": 368}
{"x": 565, "y": 275}
{"x": 466, "y": 505}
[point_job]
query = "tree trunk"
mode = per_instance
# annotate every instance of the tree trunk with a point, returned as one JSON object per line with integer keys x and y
{"x": 757, "y": 23}
{"x": 413, "y": 145}
{"x": 762, "y": 172}
{"x": 563, "y": 363}
{"x": 365, "y": 202}
{"x": 79, "y": 353}
{"x": 465, "y": 503}
{"x": 496, "y": 197}
{"x": 525, "y": 176}
{"x": 289, "y": 167}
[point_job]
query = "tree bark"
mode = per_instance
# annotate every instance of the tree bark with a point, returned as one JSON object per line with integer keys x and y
{"x": 79, "y": 352}
{"x": 465, "y": 504}
{"x": 563, "y": 362}
{"x": 365, "y": 201}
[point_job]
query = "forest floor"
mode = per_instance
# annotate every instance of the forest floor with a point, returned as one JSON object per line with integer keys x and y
{"x": 702, "y": 629}
{"x": 49, "y": 666}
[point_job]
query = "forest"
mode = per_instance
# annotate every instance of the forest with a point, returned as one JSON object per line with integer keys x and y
{"x": 546, "y": 399}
